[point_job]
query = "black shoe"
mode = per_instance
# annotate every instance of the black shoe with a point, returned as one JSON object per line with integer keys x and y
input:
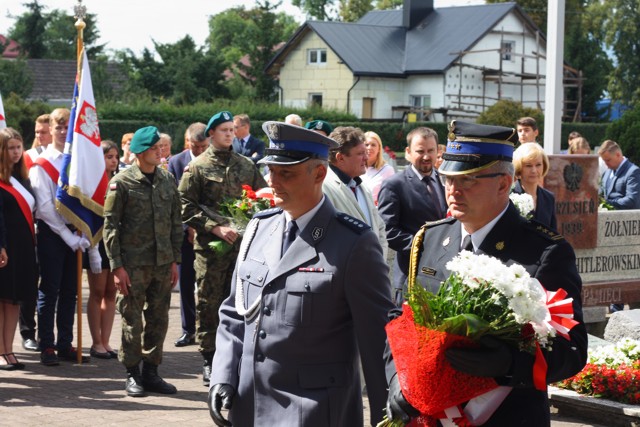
{"x": 97, "y": 354}
{"x": 113, "y": 353}
{"x": 206, "y": 375}
{"x": 185, "y": 339}
{"x": 151, "y": 381}
{"x": 133, "y": 386}
{"x": 49, "y": 358}
{"x": 70, "y": 354}
{"x": 30, "y": 344}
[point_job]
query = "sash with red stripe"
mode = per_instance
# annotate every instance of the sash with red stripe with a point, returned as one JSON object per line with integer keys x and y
{"x": 22, "y": 203}
{"x": 28, "y": 162}
{"x": 48, "y": 168}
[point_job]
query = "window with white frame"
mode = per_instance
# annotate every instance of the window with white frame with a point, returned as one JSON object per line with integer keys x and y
{"x": 316, "y": 56}
{"x": 420, "y": 102}
{"x": 507, "y": 49}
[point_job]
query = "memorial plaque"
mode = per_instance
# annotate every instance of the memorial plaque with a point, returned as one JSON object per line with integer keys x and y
{"x": 573, "y": 179}
{"x": 618, "y": 228}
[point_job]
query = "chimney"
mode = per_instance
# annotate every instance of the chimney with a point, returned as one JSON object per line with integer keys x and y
{"x": 414, "y": 11}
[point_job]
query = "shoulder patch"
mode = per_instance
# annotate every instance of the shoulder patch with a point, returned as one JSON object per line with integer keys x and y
{"x": 113, "y": 186}
{"x": 352, "y": 223}
{"x": 186, "y": 169}
{"x": 543, "y": 230}
{"x": 267, "y": 213}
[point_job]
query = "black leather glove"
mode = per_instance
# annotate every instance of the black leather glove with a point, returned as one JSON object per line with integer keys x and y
{"x": 492, "y": 359}
{"x": 397, "y": 405}
{"x": 220, "y": 396}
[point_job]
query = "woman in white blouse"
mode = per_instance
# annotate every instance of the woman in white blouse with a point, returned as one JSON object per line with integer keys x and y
{"x": 377, "y": 169}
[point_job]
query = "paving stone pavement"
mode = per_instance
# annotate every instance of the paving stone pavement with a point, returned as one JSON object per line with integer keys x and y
{"x": 93, "y": 393}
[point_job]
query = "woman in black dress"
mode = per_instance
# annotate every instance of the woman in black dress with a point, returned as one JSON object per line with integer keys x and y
{"x": 18, "y": 278}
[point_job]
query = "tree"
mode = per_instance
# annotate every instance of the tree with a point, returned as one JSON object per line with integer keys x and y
{"x": 615, "y": 23}
{"x": 15, "y": 78}
{"x": 506, "y": 113}
{"x": 185, "y": 73}
{"x": 246, "y": 39}
{"x": 29, "y": 31}
{"x": 352, "y": 10}
{"x": 322, "y": 10}
{"x": 388, "y": 4}
{"x": 53, "y": 35}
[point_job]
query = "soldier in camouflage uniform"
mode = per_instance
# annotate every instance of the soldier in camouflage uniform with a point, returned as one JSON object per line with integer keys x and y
{"x": 142, "y": 235}
{"x": 214, "y": 175}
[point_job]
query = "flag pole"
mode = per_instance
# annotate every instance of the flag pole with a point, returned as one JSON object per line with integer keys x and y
{"x": 79, "y": 14}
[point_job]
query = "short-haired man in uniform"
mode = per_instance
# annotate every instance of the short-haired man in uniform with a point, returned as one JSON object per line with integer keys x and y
{"x": 142, "y": 237}
{"x": 477, "y": 174}
{"x": 216, "y": 174}
{"x": 310, "y": 294}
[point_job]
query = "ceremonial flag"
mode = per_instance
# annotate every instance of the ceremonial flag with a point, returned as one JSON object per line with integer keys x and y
{"x": 3, "y": 120}
{"x": 83, "y": 181}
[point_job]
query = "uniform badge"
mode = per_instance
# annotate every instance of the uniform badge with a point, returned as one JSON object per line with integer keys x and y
{"x": 319, "y": 125}
{"x": 113, "y": 186}
{"x": 446, "y": 241}
{"x": 317, "y": 233}
{"x": 428, "y": 271}
{"x": 226, "y": 116}
{"x": 500, "y": 246}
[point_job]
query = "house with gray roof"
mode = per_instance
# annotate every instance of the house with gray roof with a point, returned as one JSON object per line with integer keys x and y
{"x": 450, "y": 62}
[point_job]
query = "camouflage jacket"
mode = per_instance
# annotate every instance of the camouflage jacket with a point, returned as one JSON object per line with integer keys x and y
{"x": 142, "y": 224}
{"x": 206, "y": 181}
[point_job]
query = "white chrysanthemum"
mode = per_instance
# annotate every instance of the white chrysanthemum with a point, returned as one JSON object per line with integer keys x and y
{"x": 524, "y": 203}
{"x": 525, "y": 295}
{"x": 626, "y": 351}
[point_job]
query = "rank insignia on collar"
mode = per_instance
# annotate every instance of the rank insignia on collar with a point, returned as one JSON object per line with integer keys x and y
{"x": 446, "y": 241}
{"x": 317, "y": 233}
{"x": 500, "y": 246}
{"x": 428, "y": 271}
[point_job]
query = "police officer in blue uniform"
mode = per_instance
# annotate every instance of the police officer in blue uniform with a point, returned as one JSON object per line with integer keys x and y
{"x": 477, "y": 174}
{"x": 310, "y": 293}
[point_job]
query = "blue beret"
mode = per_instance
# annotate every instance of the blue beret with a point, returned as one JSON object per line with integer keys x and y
{"x": 472, "y": 147}
{"x": 144, "y": 139}
{"x": 218, "y": 119}
{"x": 319, "y": 125}
{"x": 292, "y": 144}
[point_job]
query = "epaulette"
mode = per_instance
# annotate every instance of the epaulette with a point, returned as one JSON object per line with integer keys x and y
{"x": 430, "y": 224}
{"x": 544, "y": 231}
{"x": 353, "y": 223}
{"x": 267, "y": 213}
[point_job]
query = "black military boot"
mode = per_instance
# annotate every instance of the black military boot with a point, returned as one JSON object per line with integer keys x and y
{"x": 152, "y": 381}
{"x": 133, "y": 386}
{"x": 206, "y": 368}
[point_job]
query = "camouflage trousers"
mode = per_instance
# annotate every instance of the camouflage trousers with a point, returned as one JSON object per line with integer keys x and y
{"x": 213, "y": 276}
{"x": 149, "y": 296}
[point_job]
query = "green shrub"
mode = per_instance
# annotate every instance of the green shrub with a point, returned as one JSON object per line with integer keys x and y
{"x": 506, "y": 113}
{"x": 625, "y": 132}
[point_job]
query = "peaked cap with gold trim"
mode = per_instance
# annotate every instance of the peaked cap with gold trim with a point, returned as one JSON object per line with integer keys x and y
{"x": 472, "y": 147}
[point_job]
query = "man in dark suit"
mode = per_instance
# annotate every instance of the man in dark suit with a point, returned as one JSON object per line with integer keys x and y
{"x": 244, "y": 143}
{"x": 299, "y": 317}
{"x": 478, "y": 174}
{"x": 408, "y": 199}
{"x": 197, "y": 142}
{"x": 621, "y": 182}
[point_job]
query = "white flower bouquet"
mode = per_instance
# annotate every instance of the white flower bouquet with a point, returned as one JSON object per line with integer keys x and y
{"x": 481, "y": 297}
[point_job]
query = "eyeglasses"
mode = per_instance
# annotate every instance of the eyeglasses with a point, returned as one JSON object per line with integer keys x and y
{"x": 465, "y": 182}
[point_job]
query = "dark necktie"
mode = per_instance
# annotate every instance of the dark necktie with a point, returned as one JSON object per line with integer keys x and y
{"x": 467, "y": 245}
{"x": 354, "y": 189}
{"x": 433, "y": 193}
{"x": 289, "y": 236}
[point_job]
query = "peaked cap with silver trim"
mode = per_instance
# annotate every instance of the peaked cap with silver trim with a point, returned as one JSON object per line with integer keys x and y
{"x": 292, "y": 144}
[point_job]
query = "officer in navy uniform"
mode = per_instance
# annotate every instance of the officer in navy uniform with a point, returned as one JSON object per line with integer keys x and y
{"x": 298, "y": 316}
{"x": 477, "y": 174}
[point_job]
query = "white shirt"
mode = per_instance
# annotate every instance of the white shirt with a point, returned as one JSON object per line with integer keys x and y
{"x": 479, "y": 235}
{"x": 45, "y": 191}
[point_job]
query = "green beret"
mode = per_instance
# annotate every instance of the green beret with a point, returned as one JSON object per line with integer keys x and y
{"x": 319, "y": 125}
{"x": 144, "y": 139}
{"x": 218, "y": 119}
